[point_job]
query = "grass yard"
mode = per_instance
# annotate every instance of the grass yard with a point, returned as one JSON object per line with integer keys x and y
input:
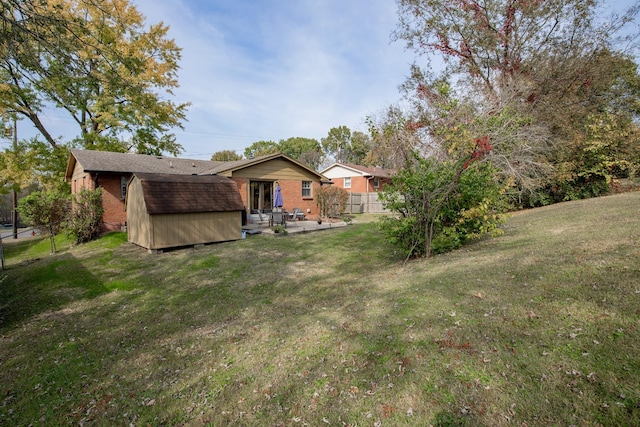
{"x": 537, "y": 327}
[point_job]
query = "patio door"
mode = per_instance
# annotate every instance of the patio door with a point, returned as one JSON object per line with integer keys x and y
{"x": 261, "y": 194}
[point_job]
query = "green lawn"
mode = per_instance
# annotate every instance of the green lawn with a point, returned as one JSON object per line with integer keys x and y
{"x": 539, "y": 326}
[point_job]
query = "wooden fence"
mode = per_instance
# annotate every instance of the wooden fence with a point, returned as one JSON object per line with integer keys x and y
{"x": 364, "y": 203}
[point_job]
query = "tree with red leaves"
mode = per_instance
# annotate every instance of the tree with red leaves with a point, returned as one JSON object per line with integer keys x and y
{"x": 530, "y": 73}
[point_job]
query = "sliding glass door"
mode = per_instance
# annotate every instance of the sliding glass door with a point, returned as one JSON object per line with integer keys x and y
{"x": 261, "y": 195}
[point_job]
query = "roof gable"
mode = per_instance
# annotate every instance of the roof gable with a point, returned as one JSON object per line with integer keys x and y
{"x": 172, "y": 194}
{"x": 230, "y": 167}
{"x": 361, "y": 170}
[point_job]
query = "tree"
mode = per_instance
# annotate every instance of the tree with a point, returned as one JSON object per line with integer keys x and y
{"x": 305, "y": 150}
{"x": 344, "y": 146}
{"x": 456, "y": 161}
{"x": 261, "y": 148}
{"x": 14, "y": 173}
{"x": 45, "y": 211}
{"x": 225, "y": 156}
{"x": 361, "y": 145}
{"x": 548, "y": 65}
{"x": 604, "y": 112}
{"x": 596, "y": 161}
{"x": 14, "y": 167}
{"x": 494, "y": 43}
{"x": 394, "y": 139}
{"x": 98, "y": 61}
{"x": 440, "y": 204}
{"x": 336, "y": 141}
{"x": 47, "y": 165}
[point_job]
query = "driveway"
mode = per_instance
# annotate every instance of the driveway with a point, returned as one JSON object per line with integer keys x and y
{"x": 7, "y": 233}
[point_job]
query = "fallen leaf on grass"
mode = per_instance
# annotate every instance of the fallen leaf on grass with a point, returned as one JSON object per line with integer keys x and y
{"x": 388, "y": 410}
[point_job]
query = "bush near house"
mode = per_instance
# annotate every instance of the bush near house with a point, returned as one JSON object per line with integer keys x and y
{"x": 331, "y": 201}
{"x": 85, "y": 219}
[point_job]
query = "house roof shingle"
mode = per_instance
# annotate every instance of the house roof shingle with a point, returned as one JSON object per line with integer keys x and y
{"x": 105, "y": 161}
{"x": 172, "y": 194}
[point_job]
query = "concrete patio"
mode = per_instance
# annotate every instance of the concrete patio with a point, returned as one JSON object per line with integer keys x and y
{"x": 294, "y": 227}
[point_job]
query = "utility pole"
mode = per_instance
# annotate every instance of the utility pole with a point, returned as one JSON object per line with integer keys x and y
{"x": 14, "y": 212}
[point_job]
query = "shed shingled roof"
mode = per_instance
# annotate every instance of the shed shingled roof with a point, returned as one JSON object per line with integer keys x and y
{"x": 172, "y": 194}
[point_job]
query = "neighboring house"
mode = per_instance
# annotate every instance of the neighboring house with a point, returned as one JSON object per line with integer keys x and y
{"x": 362, "y": 183}
{"x": 358, "y": 179}
{"x": 165, "y": 211}
{"x": 255, "y": 179}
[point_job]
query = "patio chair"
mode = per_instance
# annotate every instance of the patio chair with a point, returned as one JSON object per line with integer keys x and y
{"x": 298, "y": 214}
{"x": 277, "y": 218}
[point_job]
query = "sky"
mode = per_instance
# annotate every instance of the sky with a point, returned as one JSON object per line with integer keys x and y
{"x": 275, "y": 69}
{"x": 272, "y": 70}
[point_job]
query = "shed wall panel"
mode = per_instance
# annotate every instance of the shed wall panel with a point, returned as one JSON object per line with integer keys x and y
{"x": 172, "y": 230}
{"x": 138, "y": 225}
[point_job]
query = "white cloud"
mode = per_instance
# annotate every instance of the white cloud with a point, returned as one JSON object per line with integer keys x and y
{"x": 279, "y": 69}
{"x": 273, "y": 69}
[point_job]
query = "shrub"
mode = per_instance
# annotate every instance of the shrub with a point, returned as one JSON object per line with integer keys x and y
{"x": 85, "y": 220}
{"x": 441, "y": 204}
{"x": 331, "y": 201}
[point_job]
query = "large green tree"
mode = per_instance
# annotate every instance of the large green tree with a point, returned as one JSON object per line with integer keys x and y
{"x": 98, "y": 61}
{"x": 226, "y": 156}
{"x": 305, "y": 150}
{"x": 261, "y": 148}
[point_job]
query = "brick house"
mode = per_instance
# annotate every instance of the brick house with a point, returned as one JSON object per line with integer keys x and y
{"x": 255, "y": 179}
{"x": 362, "y": 183}
{"x": 358, "y": 179}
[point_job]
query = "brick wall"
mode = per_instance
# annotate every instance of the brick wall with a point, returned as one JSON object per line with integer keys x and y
{"x": 242, "y": 183}
{"x": 114, "y": 217}
{"x": 114, "y": 214}
{"x": 292, "y": 197}
{"x": 360, "y": 184}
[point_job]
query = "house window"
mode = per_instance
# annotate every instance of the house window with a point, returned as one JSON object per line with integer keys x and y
{"x": 306, "y": 188}
{"x": 123, "y": 187}
{"x": 347, "y": 182}
{"x": 376, "y": 182}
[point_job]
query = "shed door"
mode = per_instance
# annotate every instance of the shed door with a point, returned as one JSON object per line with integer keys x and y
{"x": 261, "y": 195}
